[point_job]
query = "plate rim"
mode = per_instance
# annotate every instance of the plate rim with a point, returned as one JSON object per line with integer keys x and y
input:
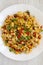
{"x": 8, "y": 8}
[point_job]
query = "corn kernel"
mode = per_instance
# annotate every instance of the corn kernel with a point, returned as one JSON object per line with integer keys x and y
{"x": 19, "y": 28}
{"x": 24, "y": 34}
{"x": 12, "y": 24}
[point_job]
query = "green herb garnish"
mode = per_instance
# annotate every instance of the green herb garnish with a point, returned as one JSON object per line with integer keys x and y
{"x": 22, "y": 38}
{"x": 10, "y": 49}
{"x": 26, "y": 29}
{"x": 6, "y": 41}
{"x": 15, "y": 26}
{"x": 27, "y": 37}
{"x": 8, "y": 27}
{"x": 41, "y": 30}
{"x": 14, "y": 19}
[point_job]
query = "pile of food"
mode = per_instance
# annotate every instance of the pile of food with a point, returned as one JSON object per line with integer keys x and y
{"x": 21, "y": 32}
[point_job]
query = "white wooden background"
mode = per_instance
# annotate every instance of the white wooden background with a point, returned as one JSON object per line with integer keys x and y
{"x": 39, "y": 59}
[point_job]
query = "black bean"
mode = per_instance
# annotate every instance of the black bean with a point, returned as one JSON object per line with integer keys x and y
{"x": 28, "y": 12}
{"x": 15, "y": 15}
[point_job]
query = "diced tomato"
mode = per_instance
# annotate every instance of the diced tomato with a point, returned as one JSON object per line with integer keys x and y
{"x": 20, "y": 31}
{"x": 21, "y": 42}
{"x": 28, "y": 33}
{"x": 13, "y": 34}
{"x": 34, "y": 34}
{"x": 19, "y": 35}
{"x": 4, "y": 27}
{"x": 22, "y": 28}
{"x": 39, "y": 37}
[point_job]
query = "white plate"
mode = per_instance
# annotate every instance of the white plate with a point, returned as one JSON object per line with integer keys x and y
{"x": 11, "y": 10}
